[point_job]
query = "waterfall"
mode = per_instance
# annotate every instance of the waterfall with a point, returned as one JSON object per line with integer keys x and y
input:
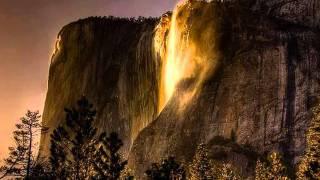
{"x": 188, "y": 50}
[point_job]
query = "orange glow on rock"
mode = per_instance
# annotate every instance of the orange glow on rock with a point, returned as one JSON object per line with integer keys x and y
{"x": 187, "y": 52}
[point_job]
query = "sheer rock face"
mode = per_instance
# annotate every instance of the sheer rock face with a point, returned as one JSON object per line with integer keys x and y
{"x": 263, "y": 90}
{"x": 112, "y": 63}
{"x": 263, "y": 96}
{"x": 303, "y": 12}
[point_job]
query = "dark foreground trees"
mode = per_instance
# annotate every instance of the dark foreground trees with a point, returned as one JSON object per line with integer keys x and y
{"x": 107, "y": 160}
{"x": 272, "y": 169}
{"x": 310, "y": 164}
{"x": 201, "y": 166}
{"x": 73, "y": 145}
{"x": 22, "y": 159}
{"x": 78, "y": 152}
{"x": 168, "y": 169}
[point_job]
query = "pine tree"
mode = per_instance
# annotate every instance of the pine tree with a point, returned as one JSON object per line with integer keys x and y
{"x": 277, "y": 170}
{"x": 227, "y": 172}
{"x": 77, "y": 153}
{"x": 108, "y": 161}
{"x": 41, "y": 170}
{"x": 59, "y": 149}
{"x": 201, "y": 167}
{"x": 272, "y": 170}
{"x": 309, "y": 167}
{"x": 169, "y": 169}
{"x": 127, "y": 174}
{"x": 21, "y": 158}
{"x": 73, "y": 146}
{"x": 261, "y": 171}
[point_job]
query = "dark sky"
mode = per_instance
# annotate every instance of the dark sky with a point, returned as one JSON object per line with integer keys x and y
{"x": 28, "y": 29}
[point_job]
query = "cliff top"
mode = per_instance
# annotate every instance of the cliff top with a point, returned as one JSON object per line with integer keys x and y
{"x": 105, "y": 20}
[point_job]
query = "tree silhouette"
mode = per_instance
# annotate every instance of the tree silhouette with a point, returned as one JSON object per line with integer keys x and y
{"x": 261, "y": 171}
{"x": 60, "y": 146}
{"x": 201, "y": 167}
{"x": 309, "y": 167}
{"x": 127, "y": 174}
{"x": 108, "y": 161}
{"x": 77, "y": 152}
{"x": 169, "y": 169}
{"x": 41, "y": 170}
{"x": 227, "y": 172}
{"x": 273, "y": 169}
{"x": 21, "y": 158}
{"x": 72, "y": 147}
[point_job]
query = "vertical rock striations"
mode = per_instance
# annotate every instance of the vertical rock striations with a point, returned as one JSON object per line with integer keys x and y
{"x": 262, "y": 90}
{"x": 263, "y": 78}
{"x": 112, "y": 62}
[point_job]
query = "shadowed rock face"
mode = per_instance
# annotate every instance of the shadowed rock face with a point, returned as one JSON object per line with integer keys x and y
{"x": 267, "y": 80}
{"x": 111, "y": 61}
{"x": 263, "y": 96}
{"x": 263, "y": 90}
{"x": 304, "y": 12}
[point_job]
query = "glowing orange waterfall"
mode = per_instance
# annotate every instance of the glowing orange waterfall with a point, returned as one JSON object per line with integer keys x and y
{"x": 187, "y": 54}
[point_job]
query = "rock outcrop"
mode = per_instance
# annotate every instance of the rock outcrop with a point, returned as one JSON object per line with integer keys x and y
{"x": 265, "y": 82}
{"x": 261, "y": 92}
{"x": 112, "y": 62}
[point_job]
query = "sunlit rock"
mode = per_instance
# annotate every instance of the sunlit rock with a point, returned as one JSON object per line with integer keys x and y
{"x": 198, "y": 75}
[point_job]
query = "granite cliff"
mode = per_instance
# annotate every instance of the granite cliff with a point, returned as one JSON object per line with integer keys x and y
{"x": 245, "y": 68}
{"x": 112, "y": 62}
